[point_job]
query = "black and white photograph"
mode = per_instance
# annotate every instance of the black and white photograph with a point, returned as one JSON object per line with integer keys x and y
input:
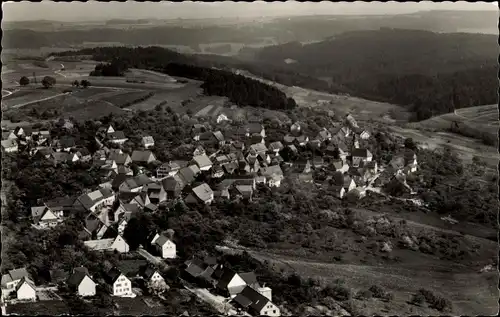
{"x": 239, "y": 158}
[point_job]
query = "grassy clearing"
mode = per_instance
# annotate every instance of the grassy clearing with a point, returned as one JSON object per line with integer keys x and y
{"x": 127, "y": 99}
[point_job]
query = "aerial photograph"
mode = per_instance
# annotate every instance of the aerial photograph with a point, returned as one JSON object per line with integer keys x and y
{"x": 250, "y": 158}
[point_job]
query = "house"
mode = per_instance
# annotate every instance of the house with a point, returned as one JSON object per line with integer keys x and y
{"x": 188, "y": 174}
{"x": 202, "y": 193}
{"x": 143, "y": 157}
{"x": 11, "y": 279}
{"x": 199, "y": 151}
{"x": 95, "y": 227}
{"x": 276, "y": 147}
{"x": 217, "y": 171}
{"x": 250, "y": 280}
{"x": 301, "y": 140}
{"x": 318, "y": 162}
{"x": 255, "y": 303}
{"x": 361, "y": 155}
{"x": 324, "y": 135}
{"x": 150, "y": 275}
{"x": 155, "y": 192}
{"x": 81, "y": 282}
{"x": 349, "y": 183}
{"x": 96, "y": 199}
{"x": 109, "y": 129}
{"x": 365, "y": 135}
{"x": 273, "y": 174}
{"x": 254, "y": 128}
{"x": 173, "y": 185}
{"x": 43, "y": 217}
{"x": 196, "y": 268}
{"x": 109, "y": 244}
{"x": 165, "y": 246}
{"x": 9, "y": 145}
{"x": 120, "y": 158}
{"x": 203, "y": 162}
{"x": 62, "y": 205}
{"x": 372, "y": 167}
{"x": 134, "y": 184}
{"x": 245, "y": 191}
{"x": 25, "y": 289}
{"x": 140, "y": 199}
{"x": 237, "y": 146}
{"x": 147, "y": 142}
{"x": 276, "y": 159}
{"x": 229, "y": 168}
{"x": 345, "y": 131}
{"x": 64, "y": 144}
{"x": 117, "y": 137}
{"x": 123, "y": 170}
{"x": 338, "y": 191}
{"x": 340, "y": 166}
{"x": 295, "y": 128}
{"x": 258, "y": 148}
{"x": 221, "y": 118}
{"x": 84, "y": 154}
{"x": 167, "y": 169}
{"x": 229, "y": 282}
{"x": 410, "y": 159}
{"x": 118, "y": 284}
{"x": 349, "y": 119}
{"x": 219, "y": 137}
{"x": 6, "y": 135}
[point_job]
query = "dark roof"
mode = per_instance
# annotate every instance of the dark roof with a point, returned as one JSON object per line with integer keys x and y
{"x": 361, "y": 152}
{"x": 219, "y": 136}
{"x": 119, "y": 158}
{"x": 173, "y": 183}
{"x": 187, "y": 175}
{"x": 77, "y": 277}
{"x": 118, "y": 180}
{"x": 117, "y": 135}
{"x": 249, "y": 277}
{"x": 258, "y": 301}
{"x": 142, "y": 156}
{"x": 112, "y": 275}
{"x": 147, "y": 271}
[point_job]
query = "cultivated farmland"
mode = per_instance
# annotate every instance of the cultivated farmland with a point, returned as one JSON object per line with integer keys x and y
{"x": 127, "y": 99}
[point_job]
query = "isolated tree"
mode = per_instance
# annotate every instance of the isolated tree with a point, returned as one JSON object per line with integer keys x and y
{"x": 76, "y": 84}
{"x": 410, "y": 144}
{"x": 24, "y": 81}
{"x": 85, "y": 83}
{"x": 48, "y": 82}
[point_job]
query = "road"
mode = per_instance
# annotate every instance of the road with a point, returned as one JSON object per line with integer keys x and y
{"x": 151, "y": 258}
{"x": 220, "y": 303}
{"x": 35, "y": 101}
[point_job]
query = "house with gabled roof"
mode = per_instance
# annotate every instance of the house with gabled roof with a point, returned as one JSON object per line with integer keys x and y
{"x": 217, "y": 171}
{"x": 200, "y": 194}
{"x": 254, "y": 128}
{"x": 116, "y": 137}
{"x": 9, "y": 135}
{"x": 156, "y": 192}
{"x": 25, "y": 289}
{"x": 245, "y": 191}
{"x": 143, "y": 157}
{"x": 219, "y": 137}
{"x": 150, "y": 274}
{"x": 108, "y": 244}
{"x": 273, "y": 174}
{"x": 120, "y": 158}
{"x": 81, "y": 282}
{"x": 229, "y": 283}
{"x": 173, "y": 185}
{"x": 165, "y": 246}
{"x": 258, "y": 148}
{"x": 230, "y": 167}
{"x": 197, "y": 269}
{"x": 221, "y": 118}
{"x": 301, "y": 140}
{"x": 44, "y": 218}
{"x": 203, "y": 162}
{"x": 189, "y": 174}
{"x": 135, "y": 184}
{"x": 167, "y": 169}
{"x": 147, "y": 142}
{"x": 361, "y": 155}
{"x": 117, "y": 283}
{"x": 13, "y": 277}
{"x": 96, "y": 199}
{"x": 324, "y": 135}
{"x": 276, "y": 147}
{"x": 340, "y": 166}
{"x": 255, "y": 303}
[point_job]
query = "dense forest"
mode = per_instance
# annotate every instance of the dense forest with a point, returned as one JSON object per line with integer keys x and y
{"x": 239, "y": 89}
{"x": 432, "y": 73}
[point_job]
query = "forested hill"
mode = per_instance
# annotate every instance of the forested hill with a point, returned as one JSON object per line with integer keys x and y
{"x": 239, "y": 89}
{"x": 430, "y": 71}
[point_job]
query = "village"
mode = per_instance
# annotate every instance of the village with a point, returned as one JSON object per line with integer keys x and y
{"x": 239, "y": 163}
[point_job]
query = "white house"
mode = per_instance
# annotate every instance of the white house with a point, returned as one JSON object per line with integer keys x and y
{"x": 166, "y": 246}
{"x": 361, "y": 155}
{"x": 148, "y": 142}
{"x": 96, "y": 199}
{"x": 81, "y": 282}
{"x": 203, "y": 162}
{"x": 221, "y": 118}
{"x": 25, "y": 290}
{"x": 13, "y": 277}
{"x": 255, "y": 303}
{"x": 44, "y": 217}
{"x": 273, "y": 174}
{"x": 151, "y": 275}
{"x": 9, "y": 146}
{"x": 365, "y": 135}
{"x": 111, "y": 244}
{"x": 118, "y": 283}
{"x": 230, "y": 283}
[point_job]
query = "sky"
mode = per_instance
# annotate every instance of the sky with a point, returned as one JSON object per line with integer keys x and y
{"x": 93, "y": 10}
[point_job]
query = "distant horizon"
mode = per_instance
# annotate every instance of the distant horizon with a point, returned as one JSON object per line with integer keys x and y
{"x": 93, "y": 11}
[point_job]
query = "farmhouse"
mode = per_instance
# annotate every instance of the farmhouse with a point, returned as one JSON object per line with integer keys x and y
{"x": 135, "y": 184}
{"x": 13, "y": 277}
{"x": 203, "y": 162}
{"x": 147, "y": 142}
{"x": 6, "y": 135}
{"x": 361, "y": 155}
{"x": 117, "y": 137}
{"x": 81, "y": 282}
{"x": 173, "y": 185}
{"x": 229, "y": 282}
{"x": 120, "y": 158}
{"x": 167, "y": 169}
{"x": 155, "y": 192}
{"x": 26, "y": 290}
{"x": 221, "y": 118}
{"x": 143, "y": 157}
{"x": 188, "y": 174}
{"x": 96, "y": 199}
{"x": 110, "y": 244}
{"x": 255, "y": 303}
{"x": 165, "y": 246}
{"x": 43, "y": 217}
{"x": 202, "y": 193}
{"x": 151, "y": 275}
{"x": 117, "y": 283}
{"x": 273, "y": 174}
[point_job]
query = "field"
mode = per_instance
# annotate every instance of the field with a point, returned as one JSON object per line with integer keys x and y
{"x": 23, "y": 96}
{"x": 151, "y": 75}
{"x": 127, "y": 99}
{"x": 472, "y": 121}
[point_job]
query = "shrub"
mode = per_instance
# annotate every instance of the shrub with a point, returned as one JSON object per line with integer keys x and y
{"x": 364, "y": 294}
{"x": 377, "y": 291}
{"x": 338, "y": 292}
{"x": 417, "y": 299}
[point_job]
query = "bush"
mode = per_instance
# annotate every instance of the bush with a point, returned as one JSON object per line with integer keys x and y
{"x": 417, "y": 299}
{"x": 364, "y": 294}
{"x": 338, "y": 292}
{"x": 377, "y": 291}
